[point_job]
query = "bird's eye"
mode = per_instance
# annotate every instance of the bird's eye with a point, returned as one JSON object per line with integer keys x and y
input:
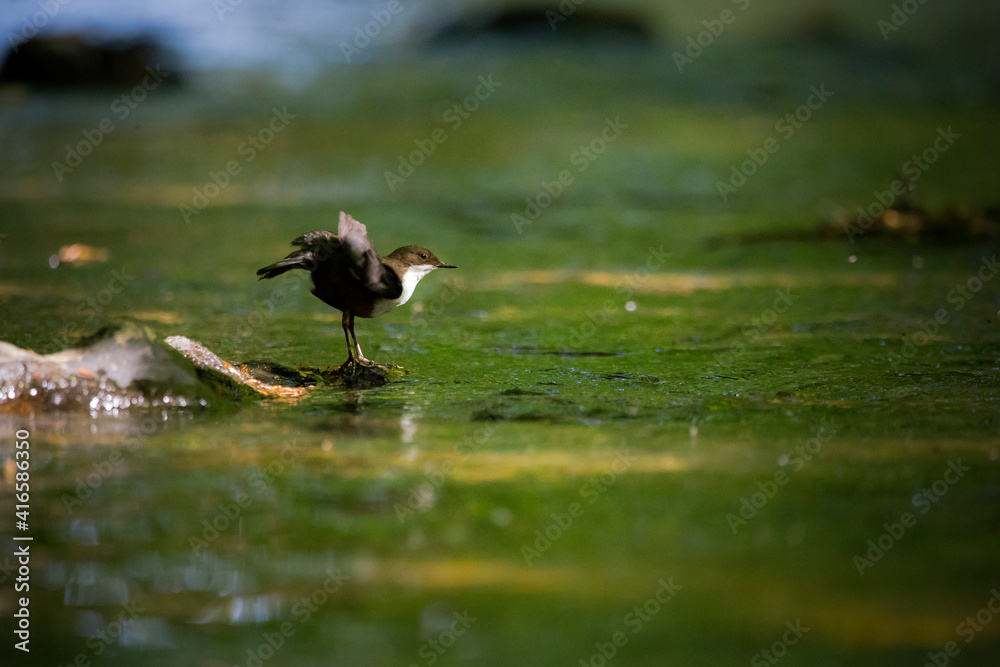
{"x": 423, "y": 255}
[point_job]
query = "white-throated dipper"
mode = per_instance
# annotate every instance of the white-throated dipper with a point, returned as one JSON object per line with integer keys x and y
{"x": 349, "y": 275}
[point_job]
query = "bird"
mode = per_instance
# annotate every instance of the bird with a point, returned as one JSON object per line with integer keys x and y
{"x": 349, "y": 275}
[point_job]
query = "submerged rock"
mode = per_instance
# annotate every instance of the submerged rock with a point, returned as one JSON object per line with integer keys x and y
{"x": 121, "y": 368}
{"x": 905, "y": 221}
{"x": 222, "y": 374}
{"x": 269, "y": 372}
{"x": 350, "y": 376}
{"x": 543, "y": 23}
{"x": 355, "y": 376}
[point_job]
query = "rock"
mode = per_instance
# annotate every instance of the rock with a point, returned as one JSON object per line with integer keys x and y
{"x": 546, "y": 23}
{"x": 272, "y": 373}
{"x": 76, "y": 61}
{"x": 121, "y": 368}
{"x": 220, "y": 373}
{"x": 125, "y": 366}
{"x": 356, "y": 376}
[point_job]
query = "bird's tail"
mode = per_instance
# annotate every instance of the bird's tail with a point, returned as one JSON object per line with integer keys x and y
{"x": 314, "y": 247}
{"x": 300, "y": 259}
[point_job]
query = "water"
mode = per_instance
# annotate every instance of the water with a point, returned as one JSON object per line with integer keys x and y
{"x": 616, "y": 434}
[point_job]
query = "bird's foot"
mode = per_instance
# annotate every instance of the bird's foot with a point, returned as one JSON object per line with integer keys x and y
{"x": 365, "y": 362}
{"x": 346, "y": 366}
{"x": 352, "y": 365}
{"x": 389, "y": 367}
{"x": 361, "y": 374}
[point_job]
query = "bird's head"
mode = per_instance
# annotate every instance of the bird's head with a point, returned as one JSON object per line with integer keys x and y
{"x": 413, "y": 258}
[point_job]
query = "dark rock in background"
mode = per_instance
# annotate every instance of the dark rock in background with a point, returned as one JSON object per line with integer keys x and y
{"x": 76, "y": 61}
{"x": 546, "y": 22}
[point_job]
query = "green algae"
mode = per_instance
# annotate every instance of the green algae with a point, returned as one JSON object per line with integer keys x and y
{"x": 777, "y": 403}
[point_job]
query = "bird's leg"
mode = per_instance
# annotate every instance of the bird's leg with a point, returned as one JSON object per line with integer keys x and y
{"x": 348, "y": 321}
{"x": 358, "y": 356}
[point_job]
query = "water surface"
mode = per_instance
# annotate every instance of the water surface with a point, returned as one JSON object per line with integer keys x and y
{"x": 617, "y": 433}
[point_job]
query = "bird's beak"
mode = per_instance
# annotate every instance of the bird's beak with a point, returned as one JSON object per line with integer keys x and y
{"x": 442, "y": 265}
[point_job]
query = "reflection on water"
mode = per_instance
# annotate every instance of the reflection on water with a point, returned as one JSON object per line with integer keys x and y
{"x": 210, "y": 534}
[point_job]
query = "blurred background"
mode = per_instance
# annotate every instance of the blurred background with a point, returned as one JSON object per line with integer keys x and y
{"x": 725, "y": 316}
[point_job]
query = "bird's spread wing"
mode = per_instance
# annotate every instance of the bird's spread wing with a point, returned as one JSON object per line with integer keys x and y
{"x": 316, "y": 237}
{"x": 313, "y": 247}
{"x": 365, "y": 263}
{"x": 317, "y": 246}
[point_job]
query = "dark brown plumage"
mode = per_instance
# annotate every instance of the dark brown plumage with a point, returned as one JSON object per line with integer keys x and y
{"x": 349, "y": 275}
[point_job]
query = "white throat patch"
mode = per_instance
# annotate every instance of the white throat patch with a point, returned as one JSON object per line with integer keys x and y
{"x": 410, "y": 280}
